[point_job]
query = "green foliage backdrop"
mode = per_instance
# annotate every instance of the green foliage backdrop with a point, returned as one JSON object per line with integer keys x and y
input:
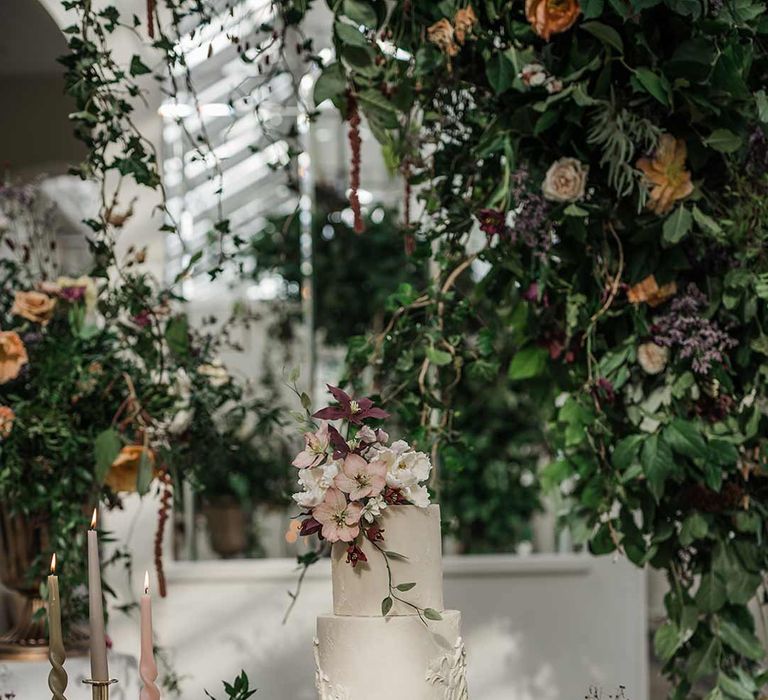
{"x": 607, "y": 165}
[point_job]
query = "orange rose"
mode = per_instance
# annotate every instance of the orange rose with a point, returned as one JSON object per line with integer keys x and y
{"x": 13, "y": 356}
{"x": 441, "y": 34}
{"x": 648, "y": 291}
{"x": 548, "y": 17}
{"x": 666, "y": 175}
{"x": 124, "y": 471}
{"x": 34, "y": 306}
{"x": 7, "y": 417}
{"x": 464, "y": 22}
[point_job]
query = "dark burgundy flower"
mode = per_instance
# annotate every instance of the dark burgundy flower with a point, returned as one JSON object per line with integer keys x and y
{"x": 309, "y": 526}
{"x": 142, "y": 319}
{"x": 72, "y": 294}
{"x": 353, "y": 410}
{"x": 493, "y": 222}
{"x": 532, "y": 293}
{"x": 339, "y": 444}
{"x": 393, "y": 497}
{"x": 375, "y": 533}
{"x": 604, "y": 389}
{"x": 355, "y": 555}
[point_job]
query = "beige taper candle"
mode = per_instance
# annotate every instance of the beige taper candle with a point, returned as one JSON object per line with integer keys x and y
{"x": 99, "y": 666}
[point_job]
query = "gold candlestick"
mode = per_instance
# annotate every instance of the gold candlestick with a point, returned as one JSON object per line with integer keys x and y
{"x": 100, "y": 689}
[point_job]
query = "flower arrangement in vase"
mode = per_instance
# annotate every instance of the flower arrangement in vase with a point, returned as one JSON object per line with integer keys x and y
{"x": 350, "y": 474}
{"x": 104, "y": 390}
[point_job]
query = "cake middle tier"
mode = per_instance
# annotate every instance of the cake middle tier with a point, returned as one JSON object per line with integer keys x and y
{"x": 409, "y": 531}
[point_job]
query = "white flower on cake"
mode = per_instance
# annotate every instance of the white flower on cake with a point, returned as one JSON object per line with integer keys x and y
{"x": 315, "y": 483}
{"x": 372, "y": 509}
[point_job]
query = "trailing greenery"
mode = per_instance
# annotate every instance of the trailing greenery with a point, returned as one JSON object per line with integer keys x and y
{"x": 593, "y": 189}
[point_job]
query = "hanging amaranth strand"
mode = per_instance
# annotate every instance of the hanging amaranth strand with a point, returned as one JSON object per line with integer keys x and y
{"x": 355, "y": 143}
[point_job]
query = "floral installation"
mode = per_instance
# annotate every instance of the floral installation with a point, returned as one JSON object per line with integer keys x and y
{"x": 349, "y": 475}
{"x": 619, "y": 282}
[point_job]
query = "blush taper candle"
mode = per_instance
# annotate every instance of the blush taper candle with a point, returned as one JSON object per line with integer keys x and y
{"x": 147, "y": 665}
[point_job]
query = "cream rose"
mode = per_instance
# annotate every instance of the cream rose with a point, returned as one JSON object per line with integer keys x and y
{"x": 652, "y": 358}
{"x": 566, "y": 181}
{"x": 34, "y": 306}
{"x": 13, "y": 355}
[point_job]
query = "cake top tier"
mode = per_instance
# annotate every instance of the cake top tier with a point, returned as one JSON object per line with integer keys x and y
{"x": 410, "y": 552}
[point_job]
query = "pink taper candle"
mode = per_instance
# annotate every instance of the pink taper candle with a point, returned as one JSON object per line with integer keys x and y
{"x": 147, "y": 665}
{"x": 99, "y": 666}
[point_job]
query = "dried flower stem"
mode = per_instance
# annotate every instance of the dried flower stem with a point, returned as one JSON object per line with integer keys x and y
{"x": 162, "y": 517}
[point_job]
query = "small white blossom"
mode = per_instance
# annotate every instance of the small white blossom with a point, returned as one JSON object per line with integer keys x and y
{"x": 553, "y": 86}
{"x": 533, "y": 74}
{"x": 216, "y": 372}
{"x": 372, "y": 509}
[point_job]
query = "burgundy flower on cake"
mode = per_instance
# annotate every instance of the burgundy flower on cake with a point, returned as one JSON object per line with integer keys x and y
{"x": 353, "y": 410}
{"x": 360, "y": 478}
{"x": 355, "y": 555}
{"x": 340, "y": 519}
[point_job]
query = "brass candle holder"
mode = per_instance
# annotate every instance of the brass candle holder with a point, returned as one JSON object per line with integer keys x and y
{"x": 100, "y": 689}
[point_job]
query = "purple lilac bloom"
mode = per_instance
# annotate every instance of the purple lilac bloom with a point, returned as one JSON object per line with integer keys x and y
{"x": 530, "y": 217}
{"x": 695, "y": 337}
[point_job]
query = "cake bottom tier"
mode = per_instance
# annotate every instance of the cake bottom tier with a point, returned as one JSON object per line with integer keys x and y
{"x": 390, "y": 658}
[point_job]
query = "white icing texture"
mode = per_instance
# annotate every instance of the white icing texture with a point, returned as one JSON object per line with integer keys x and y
{"x": 410, "y": 531}
{"x": 326, "y": 690}
{"x": 376, "y": 658}
{"x": 450, "y": 672}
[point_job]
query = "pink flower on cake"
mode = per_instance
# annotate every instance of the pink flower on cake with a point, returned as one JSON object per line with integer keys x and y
{"x": 315, "y": 448}
{"x": 355, "y": 411}
{"x": 360, "y": 479}
{"x": 340, "y": 520}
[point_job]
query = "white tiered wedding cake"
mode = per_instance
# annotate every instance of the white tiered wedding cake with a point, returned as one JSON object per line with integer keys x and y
{"x": 389, "y": 637}
{"x": 422, "y": 659}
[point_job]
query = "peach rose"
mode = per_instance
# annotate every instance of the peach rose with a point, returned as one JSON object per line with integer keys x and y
{"x": 464, "y": 22}
{"x": 666, "y": 175}
{"x": 441, "y": 34}
{"x": 649, "y": 291}
{"x": 13, "y": 356}
{"x": 124, "y": 471}
{"x": 548, "y": 17}
{"x": 34, "y": 306}
{"x": 7, "y": 417}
